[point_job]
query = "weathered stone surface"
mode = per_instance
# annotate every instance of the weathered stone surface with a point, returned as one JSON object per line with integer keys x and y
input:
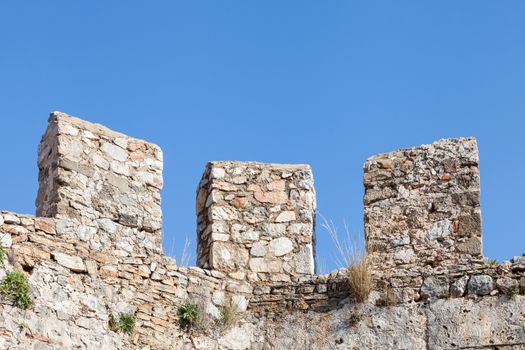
{"x": 303, "y": 260}
{"x": 73, "y": 263}
{"x": 258, "y": 249}
{"x": 46, "y": 225}
{"x": 372, "y": 328}
{"x": 227, "y": 258}
{"x": 238, "y": 338}
{"x": 277, "y": 230}
{"x": 439, "y": 229}
{"x": 223, "y": 214}
{"x": 458, "y": 288}
{"x": 404, "y": 256}
{"x": 280, "y": 246}
{"x": 217, "y": 173}
{"x": 265, "y": 265}
{"x": 471, "y": 246}
{"x": 435, "y": 287}
{"x": 114, "y": 152}
{"x": 11, "y": 219}
{"x": 505, "y": 284}
{"x": 204, "y": 343}
{"x": 460, "y": 323}
{"x": 285, "y": 216}
{"x": 480, "y": 284}
{"x": 274, "y": 197}
{"x": 384, "y": 327}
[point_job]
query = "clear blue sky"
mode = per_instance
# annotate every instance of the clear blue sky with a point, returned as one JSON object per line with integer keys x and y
{"x": 328, "y": 83}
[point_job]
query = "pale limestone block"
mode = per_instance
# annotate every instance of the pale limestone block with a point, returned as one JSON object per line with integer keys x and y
{"x": 114, "y": 151}
{"x": 280, "y": 246}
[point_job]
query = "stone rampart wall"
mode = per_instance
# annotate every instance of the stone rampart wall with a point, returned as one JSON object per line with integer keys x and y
{"x": 86, "y": 265}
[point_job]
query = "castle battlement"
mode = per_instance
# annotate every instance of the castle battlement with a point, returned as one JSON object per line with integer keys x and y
{"x": 94, "y": 252}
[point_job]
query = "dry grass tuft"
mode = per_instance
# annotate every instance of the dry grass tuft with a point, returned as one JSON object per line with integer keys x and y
{"x": 360, "y": 280}
{"x": 185, "y": 255}
{"x": 351, "y": 255}
{"x": 229, "y": 314}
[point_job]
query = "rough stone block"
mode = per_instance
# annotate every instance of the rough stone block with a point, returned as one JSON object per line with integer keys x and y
{"x": 460, "y": 323}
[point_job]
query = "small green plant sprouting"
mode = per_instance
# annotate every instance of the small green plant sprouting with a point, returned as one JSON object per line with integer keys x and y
{"x": 15, "y": 287}
{"x": 355, "y": 318}
{"x": 124, "y": 324}
{"x": 22, "y": 326}
{"x": 3, "y": 251}
{"x": 188, "y": 314}
{"x": 513, "y": 291}
{"x": 492, "y": 262}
